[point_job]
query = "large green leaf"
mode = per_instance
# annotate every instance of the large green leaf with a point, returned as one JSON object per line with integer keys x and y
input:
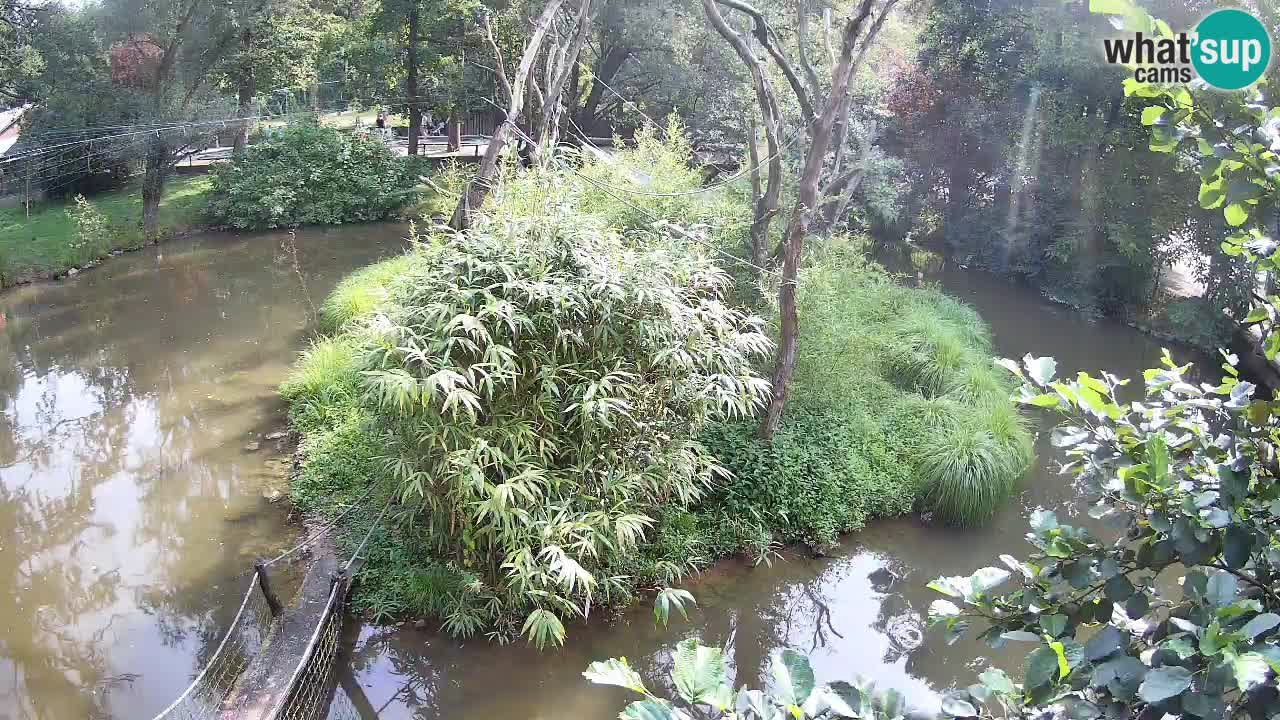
{"x": 648, "y": 710}
{"x": 997, "y": 681}
{"x": 1221, "y": 590}
{"x": 1250, "y": 670}
{"x": 1163, "y": 683}
{"x": 1040, "y": 369}
{"x": 1040, "y": 667}
{"x": 1259, "y": 625}
{"x": 987, "y": 578}
{"x": 1105, "y": 643}
{"x": 614, "y": 671}
{"x": 792, "y": 676}
{"x": 1213, "y": 194}
{"x": 1121, "y": 675}
{"x": 1236, "y": 214}
{"x": 699, "y": 673}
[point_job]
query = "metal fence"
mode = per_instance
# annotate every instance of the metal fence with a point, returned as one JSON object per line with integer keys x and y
{"x": 312, "y": 686}
{"x": 250, "y": 628}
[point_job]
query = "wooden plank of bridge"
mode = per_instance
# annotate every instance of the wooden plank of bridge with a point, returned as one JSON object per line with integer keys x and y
{"x": 260, "y": 689}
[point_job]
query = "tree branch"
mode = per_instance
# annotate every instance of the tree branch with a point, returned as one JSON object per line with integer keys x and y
{"x": 499, "y": 67}
{"x": 802, "y": 41}
{"x": 767, "y": 37}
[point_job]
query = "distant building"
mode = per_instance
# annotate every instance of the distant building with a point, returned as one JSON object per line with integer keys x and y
{"x": 10, "y": 127}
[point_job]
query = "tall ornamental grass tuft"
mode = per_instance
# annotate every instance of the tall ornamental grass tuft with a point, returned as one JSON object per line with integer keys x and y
{"x": 971, "y": 467}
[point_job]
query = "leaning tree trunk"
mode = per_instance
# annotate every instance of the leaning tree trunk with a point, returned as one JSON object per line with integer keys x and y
{"x": 478, "y": 189}
{"x": 758, "y": 243}
{"x": 155, "y": 173}
{"x": 247, "y": 87}
{"x": 411, "y": 81}
{"x": 559, "y": 74}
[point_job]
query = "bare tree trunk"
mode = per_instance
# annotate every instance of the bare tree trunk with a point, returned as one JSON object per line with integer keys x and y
{"x": 155, "y": 174}
{"x": 807, "y": 203}
{"x": 411, "y": 81}
{"x": 759, "y": 218}
{"x": 614, "y": 58}
{"x": 478, "y": 188}
{"x": 247, "y": 88}
{"x": 766, "y": 207}
{"x": 558, "y": 73}
{"x": 453, "y": 127}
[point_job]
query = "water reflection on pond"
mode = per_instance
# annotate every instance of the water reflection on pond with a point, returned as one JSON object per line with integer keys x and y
{"x": 861, "y": 611}
{"x": 134, "y": 404}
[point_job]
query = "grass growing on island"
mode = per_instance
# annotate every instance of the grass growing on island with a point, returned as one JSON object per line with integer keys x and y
{"x": 45, "y": 241}
{"x": 895, "y": 404}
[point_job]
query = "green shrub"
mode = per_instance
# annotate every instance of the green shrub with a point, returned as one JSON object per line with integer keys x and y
{"x": 533, "y": 389}
{"x": 1196, "y": 321}
{"x": 824, "y": 474}
{"x": 93, "y": 231}
{"x": 306, "y": 174}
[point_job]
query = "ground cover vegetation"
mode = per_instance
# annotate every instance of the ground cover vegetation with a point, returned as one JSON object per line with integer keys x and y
{"x": 1169, "y": 609}
{"x": 77, "y": 231}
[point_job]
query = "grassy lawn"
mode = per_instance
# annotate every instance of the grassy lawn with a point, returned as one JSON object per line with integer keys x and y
{"x": 46, "y": 242}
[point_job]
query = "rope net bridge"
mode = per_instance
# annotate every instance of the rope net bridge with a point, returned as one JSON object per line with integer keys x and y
{"x": 278, "y": 661}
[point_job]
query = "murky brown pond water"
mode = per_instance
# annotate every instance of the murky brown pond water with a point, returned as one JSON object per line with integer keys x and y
{"x": 134, "y": 404}
{"x": 134, "y": 470}
{"x": 860, "y": 612}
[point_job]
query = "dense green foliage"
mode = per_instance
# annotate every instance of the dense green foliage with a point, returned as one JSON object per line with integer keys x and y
{"x": 895, "y": 400}
{"x": 307, "y": 174}
{"x": 1178, "y": 616}
{"x": 536, "y": 395}
{"x": 701, "y": 679}
{"x": 535, "y": 388}
{"x": 1024, "y": 157}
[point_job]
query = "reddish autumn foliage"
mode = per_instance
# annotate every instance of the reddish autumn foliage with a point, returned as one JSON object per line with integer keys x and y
{"x": 134, "y": 61}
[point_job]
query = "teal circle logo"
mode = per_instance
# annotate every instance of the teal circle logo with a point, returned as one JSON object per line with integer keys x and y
{"x": 1232, "y": 49}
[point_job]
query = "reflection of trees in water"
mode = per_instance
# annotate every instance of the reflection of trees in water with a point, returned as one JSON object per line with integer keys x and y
{"x": 116, "y": 368}
{"x": 59, "y": 670}
{"x": 421, "y": 689}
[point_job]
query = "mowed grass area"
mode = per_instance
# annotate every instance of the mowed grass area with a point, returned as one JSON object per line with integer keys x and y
{"x": 46, "y": 242}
